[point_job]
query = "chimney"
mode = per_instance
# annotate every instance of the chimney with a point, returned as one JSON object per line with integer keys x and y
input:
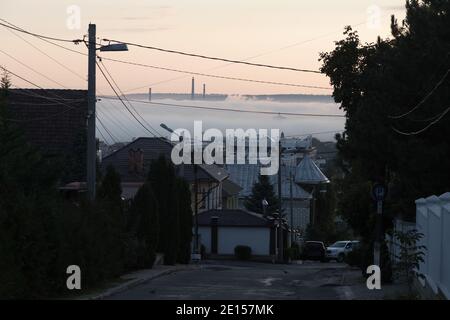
{"x": 135, "y": 161}
{"x": 131, "y": 161}
{"x": 139, "y": 156}
{"x": 193, "y": 89}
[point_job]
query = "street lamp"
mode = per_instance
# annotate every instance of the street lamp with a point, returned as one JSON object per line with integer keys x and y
{"x": 278, "y": 221}
{"x": 265, "y": 204}
{"x": 91, "y": 142}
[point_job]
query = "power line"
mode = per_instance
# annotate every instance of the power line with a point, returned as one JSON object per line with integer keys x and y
{"x": 211, "y": 76}
{"x": 313, "y": 133}
{"x": 250, "y": 58}
{"x": 126, "y": 99}
{"x": 172, "y": 69}
{"x": 101, "y": 134}
{"x": 232, "y": 110}
{"x": 106, "y": 129}
{"x": 423, "y": 129}
{"x": 114, "y": 121}
{"x": 32, "y": 69}
{"x": 118, "y": 97}
{"x": 75, "y": 41}
{"x": 48, "y": 98}
{"x": 53, "y": 59}
{"x": 213, "y": 58}
{"x": 66, "y": 68}
{"x": 424, "y": 99}
{"x": 47, "y": 55}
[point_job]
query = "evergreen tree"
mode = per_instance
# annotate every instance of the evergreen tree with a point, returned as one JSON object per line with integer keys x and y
{"x": 109, "y": 199}
{"x": 162, "y": 178}
{"x": 183, "y": 195}
{"x": 145, "y": 224}
{"x": 28, "y": 197}
{"x": 261, "y": 190}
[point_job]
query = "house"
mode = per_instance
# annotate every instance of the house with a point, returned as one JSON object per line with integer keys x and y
{"x": 133, "y": 161}
{"x": 246, "y": 175}
{"x": 54, "y": 121}
{"x": 295, "y": 149}
{"x": 220, "y": 231}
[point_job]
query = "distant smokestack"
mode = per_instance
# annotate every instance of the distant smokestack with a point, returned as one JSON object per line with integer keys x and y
{"x": 149, "y": 94}
{"x": 193, "y": 89}
{"x": 204, "y": 91}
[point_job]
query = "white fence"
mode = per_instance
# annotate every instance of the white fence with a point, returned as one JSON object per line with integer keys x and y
{"x": 392, "y": 241}
{"x": 433, "y": 220}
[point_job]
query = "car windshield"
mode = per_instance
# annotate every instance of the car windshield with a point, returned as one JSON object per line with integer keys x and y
{"x": 339, "y": 244}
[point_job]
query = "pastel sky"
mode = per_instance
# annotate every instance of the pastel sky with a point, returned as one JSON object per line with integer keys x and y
{"x": 235, "y": 29}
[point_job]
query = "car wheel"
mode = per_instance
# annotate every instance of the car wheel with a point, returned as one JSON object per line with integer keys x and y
{"x": 340, "y": 258}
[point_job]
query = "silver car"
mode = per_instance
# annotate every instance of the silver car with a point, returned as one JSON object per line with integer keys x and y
{"x": 338, "y": 250}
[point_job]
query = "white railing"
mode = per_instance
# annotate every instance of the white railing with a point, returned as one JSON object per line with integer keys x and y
{"x": 392, "y": 241}
{"x": 433, "y": 221}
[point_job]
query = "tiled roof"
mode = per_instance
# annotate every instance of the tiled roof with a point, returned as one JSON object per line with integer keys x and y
{"x": 233, "y": 218}
{"x": 152, "y": 148}
{"x": 53, "y": 120}
{"x": 246, "y": 175}
{"x": 308, "y": 172}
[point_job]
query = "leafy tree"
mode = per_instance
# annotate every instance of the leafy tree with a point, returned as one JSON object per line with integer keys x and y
{"x": 410, "y": 256}
{"x": 261, "y": 190}
{"x": 376, "y": 81}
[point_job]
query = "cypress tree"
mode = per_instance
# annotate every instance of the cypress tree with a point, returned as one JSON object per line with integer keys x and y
{"x": 162, "y": 177}
{"x": 261, "y": 190}
{"x": 145, "y": 216}
{"x": 185, "y": 221}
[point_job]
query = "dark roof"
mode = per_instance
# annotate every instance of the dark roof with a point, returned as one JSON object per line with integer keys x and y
{"x": 246, "y": 175}
{"x": 231, "y": 188}
{"x": 53, "y": 120}
{"x": 233, "y": 218}
{"x": 152, "y": 149}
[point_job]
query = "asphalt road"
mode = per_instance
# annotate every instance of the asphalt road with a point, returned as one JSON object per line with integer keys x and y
{"x": 234, "y": 280}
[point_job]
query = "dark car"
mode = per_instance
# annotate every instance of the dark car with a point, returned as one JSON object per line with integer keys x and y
{"x": 314, "y": 250}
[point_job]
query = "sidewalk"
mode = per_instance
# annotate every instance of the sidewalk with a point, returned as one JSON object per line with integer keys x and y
{"x": 136, "y": 278}
{"x": 355, "y": 288}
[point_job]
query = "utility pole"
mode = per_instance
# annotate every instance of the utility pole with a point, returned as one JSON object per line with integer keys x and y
{"x": 204, "y": 91}
{"x": 291, "y": 207}
{"x": 378, "y": 193}
{"x": 149, "y": 94}
{"x": 91, "y": 141}
{"x": 196, "y": 244}
{"x": 280, "y": 234}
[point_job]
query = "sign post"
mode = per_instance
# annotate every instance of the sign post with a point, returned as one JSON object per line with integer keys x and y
{"x": 378, "y": 193}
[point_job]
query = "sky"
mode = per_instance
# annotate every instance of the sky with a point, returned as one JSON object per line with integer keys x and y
{"x": 281, "y": 32}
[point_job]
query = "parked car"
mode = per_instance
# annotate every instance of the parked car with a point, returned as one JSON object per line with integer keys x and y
{"x": 338, "y": 250}
{"x": 314, "y": 250}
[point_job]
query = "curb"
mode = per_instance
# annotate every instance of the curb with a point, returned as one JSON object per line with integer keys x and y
{"x": 135, "y": 282}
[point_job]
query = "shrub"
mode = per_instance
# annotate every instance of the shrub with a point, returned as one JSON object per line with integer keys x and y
{"x": 293, "y": 252}
{"x": 243, "y": 252}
